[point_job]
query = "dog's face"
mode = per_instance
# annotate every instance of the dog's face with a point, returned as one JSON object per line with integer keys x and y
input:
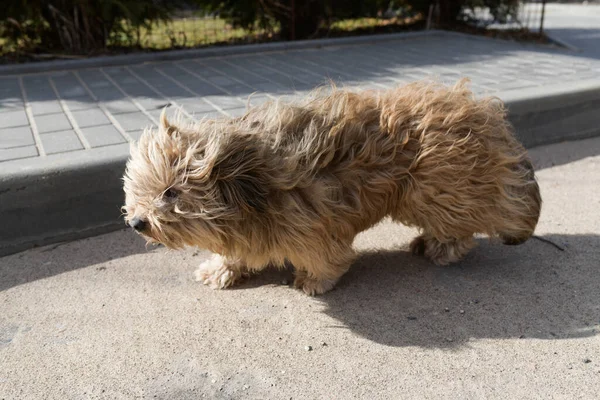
{"x": 185, "y": 186}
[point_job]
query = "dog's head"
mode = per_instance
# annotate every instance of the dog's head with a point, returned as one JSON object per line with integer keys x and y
{"x": 188, "y": 184}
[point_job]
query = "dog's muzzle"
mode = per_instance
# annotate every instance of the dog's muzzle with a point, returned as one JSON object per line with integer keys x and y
{"x": 138, "y": 224}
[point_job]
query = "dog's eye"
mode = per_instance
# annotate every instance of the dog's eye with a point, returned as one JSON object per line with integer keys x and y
{"x": 170, "y": 194}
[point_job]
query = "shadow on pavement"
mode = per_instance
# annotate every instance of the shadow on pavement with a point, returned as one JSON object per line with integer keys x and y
{"x": 25, "y": 267}
{"x": 528, "y": 291}
{"x": 564, "y": 153}
{"x": 394, "y": 298}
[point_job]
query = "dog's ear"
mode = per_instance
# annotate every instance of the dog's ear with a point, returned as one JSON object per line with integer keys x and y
{"x": 165, "y": 125}
{"x": 241, "y": 176}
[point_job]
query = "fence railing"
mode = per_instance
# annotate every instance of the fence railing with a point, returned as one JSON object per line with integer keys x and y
{"x": 184, "y": 31}
{"x": 188, "y": 30}
{"x": 528, "y": 16}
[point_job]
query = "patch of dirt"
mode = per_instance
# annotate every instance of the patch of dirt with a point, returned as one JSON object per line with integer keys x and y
{"x": 518, "y": 35}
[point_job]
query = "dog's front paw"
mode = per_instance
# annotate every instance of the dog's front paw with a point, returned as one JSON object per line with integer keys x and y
{"x": 217, "y": 273}
{"x": 312, "y": 286}
{"x": 417, "y": 246}
{"x": 441, "y": 253}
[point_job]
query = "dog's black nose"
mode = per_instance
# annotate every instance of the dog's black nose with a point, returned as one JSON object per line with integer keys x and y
{"x": 137, "y": 224}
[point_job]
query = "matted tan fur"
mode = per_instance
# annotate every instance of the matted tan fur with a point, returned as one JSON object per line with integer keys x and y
{"x": 297, "y": 182}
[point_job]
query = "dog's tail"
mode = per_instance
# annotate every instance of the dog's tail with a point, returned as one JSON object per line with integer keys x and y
{"x": 526, "y": 210}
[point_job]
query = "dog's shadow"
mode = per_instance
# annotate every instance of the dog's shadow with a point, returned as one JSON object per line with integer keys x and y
{"x": 530, "y": 291}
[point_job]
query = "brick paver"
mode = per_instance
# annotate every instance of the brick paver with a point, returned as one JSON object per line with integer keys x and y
{"x": 70, "y": 111}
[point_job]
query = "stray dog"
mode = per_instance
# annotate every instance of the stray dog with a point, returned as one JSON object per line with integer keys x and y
{"x": 296, "y": 182}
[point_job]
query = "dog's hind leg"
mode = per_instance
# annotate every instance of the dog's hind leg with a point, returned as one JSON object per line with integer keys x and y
{"x": 319, "y": 274}
{"x": 520, "y": 213}
{"x": 219, "y": 272}
{"x": 442, "y": 252}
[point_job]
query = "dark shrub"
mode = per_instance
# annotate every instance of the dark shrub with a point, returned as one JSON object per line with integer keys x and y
{"x": 84, "y": 26}
{"x": 77, "y": 26}
{"x": 298, "y": 19}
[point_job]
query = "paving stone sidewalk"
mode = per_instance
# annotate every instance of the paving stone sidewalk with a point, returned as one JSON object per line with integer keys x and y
{"x": 70, "y": 112}
{"x": 64, "y": 134}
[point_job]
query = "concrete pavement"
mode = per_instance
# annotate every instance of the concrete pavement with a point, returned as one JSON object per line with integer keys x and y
{"x": 575, "y": 25}
{"x": 65, "y": 134}
{"x": 104, "y": 318}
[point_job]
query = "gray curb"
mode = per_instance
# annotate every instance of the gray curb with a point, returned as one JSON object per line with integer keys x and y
{"x": 59, "y": 198}
{"x": 563, "y": 43}
{"x": 545, "y": 115}
{"x": 128, "y": 59}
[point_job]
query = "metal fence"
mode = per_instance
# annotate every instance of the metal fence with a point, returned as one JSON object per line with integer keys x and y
{"x": 528, "y": 16}
{"x": 187, "y": 29}
{"x": 184, "y": 31}
{"x": 531, "y": 15}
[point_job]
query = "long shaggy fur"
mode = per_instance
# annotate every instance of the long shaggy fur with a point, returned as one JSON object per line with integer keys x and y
{"x": 297, "y": 182}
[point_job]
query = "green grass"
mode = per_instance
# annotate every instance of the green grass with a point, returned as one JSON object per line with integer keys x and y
{"x": 189, "y": 32}
{"x": 361, "y": 24}
{"x": 203, "y": 31}
{"x": 194, "y": 32}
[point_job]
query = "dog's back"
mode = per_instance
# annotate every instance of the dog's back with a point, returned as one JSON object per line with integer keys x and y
{"x": 428, "y": 155}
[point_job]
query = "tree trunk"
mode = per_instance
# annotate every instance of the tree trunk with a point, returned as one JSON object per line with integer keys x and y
{"x": 304, "y": 21}
{"x": 449, "y": 11}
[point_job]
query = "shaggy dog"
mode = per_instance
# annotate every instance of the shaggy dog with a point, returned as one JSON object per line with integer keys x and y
{"x": 297, "y": 182}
